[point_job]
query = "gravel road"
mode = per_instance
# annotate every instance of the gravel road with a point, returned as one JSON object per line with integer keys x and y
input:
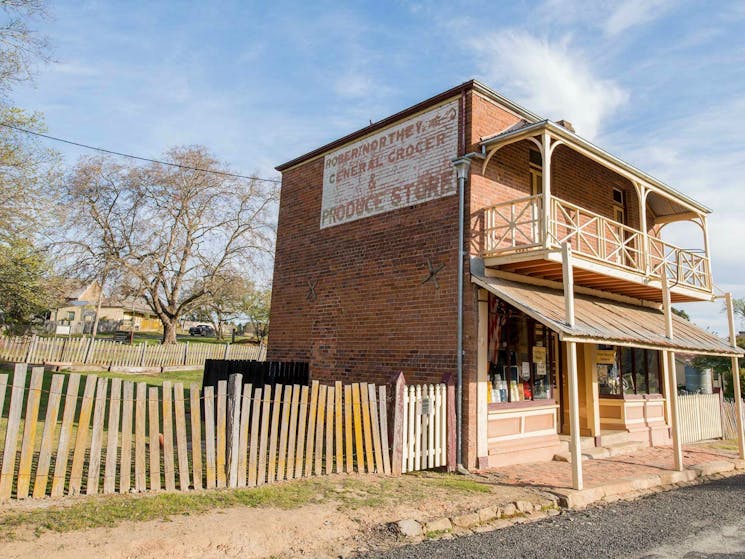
{"x": 705, "y": 521}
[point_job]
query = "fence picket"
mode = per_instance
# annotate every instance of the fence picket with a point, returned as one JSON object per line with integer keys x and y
{"x": 265, "y": 407}
{"x": 283, "y": 433}
{"x": 154, "y": 424}
{"x": 384, "y": 430}
{"x": 348, "y": 437}
{"x": 195, "y": 411}
{"x": 292, "y": 437}
{"x": 140, "y": 424}
{"x": 182, "y": 449}
{"x": 81, "y": 440}
{"x": 235, "y": 387}
{"x": 125, "y": 462}
{"x": 272, "y": 464}
{"x": 375, "y": 428}
{"x": 338, "y": 412}
{"x": 47, "y": 437}
{"x": 357, "y": 415}
{"x": 209, "y": 435}
{"x": 302, "y": 418}
{"x": 11, "y": 432}
{"x": 367, "y": 429}
{"x": 168, "y": 464}
{"x": 245, "y": 412}
{"x": 29, "y": 433}
{"x": 311, "y": 428}
{"x": 222, "y": 395}
{"x": 330, "y": 419}
{"x": 112, "y": 436}
{"x": 94, "y": 458}
{"x": 320, "y": 414}
{"x": 253, "y": 448}
{"x": 65, "y": 436}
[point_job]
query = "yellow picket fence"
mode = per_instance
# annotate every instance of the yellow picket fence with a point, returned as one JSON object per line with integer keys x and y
{"x": 115, "y": 436}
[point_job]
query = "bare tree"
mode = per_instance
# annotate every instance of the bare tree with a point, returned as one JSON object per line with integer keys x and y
{"x": 173, "y": 232}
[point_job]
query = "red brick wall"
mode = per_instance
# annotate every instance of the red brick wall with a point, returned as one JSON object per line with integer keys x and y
{"x": 372, "y": 316}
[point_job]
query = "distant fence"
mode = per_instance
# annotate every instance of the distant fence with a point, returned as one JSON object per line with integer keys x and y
{"x": 258, "y": 373}
{"x": 729, "y": 419}
{"x": 85, "y": 351}
{"x": 117, "y": 436}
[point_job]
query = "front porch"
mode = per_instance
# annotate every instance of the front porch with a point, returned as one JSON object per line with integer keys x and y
{"x": 552, "y": 362}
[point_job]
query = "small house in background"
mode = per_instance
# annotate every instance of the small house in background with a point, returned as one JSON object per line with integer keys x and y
{"x": 467, "y": 236}
{"x": 78, "y": 312}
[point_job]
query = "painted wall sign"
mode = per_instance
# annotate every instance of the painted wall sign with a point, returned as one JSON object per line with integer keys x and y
{"x": 407, "y": 164}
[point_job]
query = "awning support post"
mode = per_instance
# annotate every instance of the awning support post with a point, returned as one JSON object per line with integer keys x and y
{"x": 575, "y": 446}
{"x": 670, "y": 370}
{"x": 735, "y": 377}
{"x": 482, "y": 385}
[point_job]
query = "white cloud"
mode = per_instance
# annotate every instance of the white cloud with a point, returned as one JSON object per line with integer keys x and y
{"x": 551, "y": 78}
{"x": 354, "y": 84}
{"x": 612, "y": 17}
{"x": 631, "y": 13}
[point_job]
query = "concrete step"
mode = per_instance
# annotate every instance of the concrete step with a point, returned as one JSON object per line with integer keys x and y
{"x": 625, "y": 447}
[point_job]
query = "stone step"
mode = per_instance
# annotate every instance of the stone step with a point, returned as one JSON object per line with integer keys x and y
{"x": 614, "y": 437}
{"x": 585, "y": 442}
{"x": 625, "y": 447}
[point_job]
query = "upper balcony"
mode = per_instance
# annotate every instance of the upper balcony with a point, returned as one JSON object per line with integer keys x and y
{"x": 519, "y": 236}
{"x": 611, "y": 213}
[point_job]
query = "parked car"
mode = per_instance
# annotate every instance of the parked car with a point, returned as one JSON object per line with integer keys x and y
{"x": 201, "y": 330}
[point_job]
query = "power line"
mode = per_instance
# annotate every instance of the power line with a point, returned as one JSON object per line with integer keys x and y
{"x": 25, "y": 131}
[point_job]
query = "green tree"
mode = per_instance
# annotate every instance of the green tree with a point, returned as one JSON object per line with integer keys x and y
{"x": 26, "y": 288}
{"x": 256, "y": 306}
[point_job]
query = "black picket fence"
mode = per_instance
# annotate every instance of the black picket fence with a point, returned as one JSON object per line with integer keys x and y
{"x": 258, "y": 373}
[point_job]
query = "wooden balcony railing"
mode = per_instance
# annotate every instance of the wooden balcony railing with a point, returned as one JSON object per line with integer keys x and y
{"x": 518, "y": 226}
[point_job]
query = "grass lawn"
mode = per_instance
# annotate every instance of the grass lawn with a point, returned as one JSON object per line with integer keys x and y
{"x": 346, "y": 492}
{"x": 154, "y": 338}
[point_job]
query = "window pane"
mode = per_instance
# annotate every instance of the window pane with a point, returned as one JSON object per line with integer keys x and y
{"x": 653, "y": 366}
{"x": 627, "y": 371}
{"x": 640, "y": 368}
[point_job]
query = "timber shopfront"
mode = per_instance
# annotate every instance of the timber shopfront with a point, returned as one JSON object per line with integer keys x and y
{"x": 620, "y": 363}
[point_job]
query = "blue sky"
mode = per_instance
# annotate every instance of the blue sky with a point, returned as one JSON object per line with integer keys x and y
{"x": 658, "y": 83}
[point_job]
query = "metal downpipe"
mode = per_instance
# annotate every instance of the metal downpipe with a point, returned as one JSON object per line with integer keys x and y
{"x": 462, "y": 165}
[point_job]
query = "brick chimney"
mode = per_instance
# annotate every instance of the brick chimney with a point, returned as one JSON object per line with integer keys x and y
{"x": 566, "y": 124}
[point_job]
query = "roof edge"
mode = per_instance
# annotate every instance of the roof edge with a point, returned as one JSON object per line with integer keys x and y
{"x": 570, "y": 136}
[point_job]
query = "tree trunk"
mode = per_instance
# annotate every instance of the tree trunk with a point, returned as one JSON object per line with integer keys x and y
{"x": 169, "y": 331}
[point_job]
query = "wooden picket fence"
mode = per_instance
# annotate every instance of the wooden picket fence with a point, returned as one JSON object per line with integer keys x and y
{"x": 425, "y": 431}
{"x": 700, "y": 417}
{"x": 108, "y": 353}
{"x": 119, "y": 436}
{"x": 729, "y": 419}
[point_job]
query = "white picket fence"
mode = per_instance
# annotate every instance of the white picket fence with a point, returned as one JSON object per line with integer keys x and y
{"x": 35, "y": 349}
{"x": 425, "y": 427}
{"x": 700, "y": 417}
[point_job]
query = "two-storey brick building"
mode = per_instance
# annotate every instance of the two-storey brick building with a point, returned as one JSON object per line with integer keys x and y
{"x": 558, "y": 295}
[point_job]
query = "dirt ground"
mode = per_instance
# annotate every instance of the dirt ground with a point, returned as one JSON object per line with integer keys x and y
{"x": 354, "y": 522}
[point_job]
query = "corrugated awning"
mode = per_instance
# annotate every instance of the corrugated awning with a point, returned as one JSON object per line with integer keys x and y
{"x": 602, "y": 321}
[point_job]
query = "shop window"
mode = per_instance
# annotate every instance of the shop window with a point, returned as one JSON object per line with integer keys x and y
{"x": 521, "y": 354}
{"x": 627, "y": 370}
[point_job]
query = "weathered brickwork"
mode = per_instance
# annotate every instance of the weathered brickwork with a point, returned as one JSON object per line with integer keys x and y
{"x": 350, "y": 298}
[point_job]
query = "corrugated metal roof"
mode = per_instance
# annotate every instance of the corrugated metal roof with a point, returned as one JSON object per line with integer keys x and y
{"x": 605, "y": 321}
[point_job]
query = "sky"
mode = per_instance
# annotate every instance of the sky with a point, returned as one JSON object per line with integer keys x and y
{"x": 660, "y": 84}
